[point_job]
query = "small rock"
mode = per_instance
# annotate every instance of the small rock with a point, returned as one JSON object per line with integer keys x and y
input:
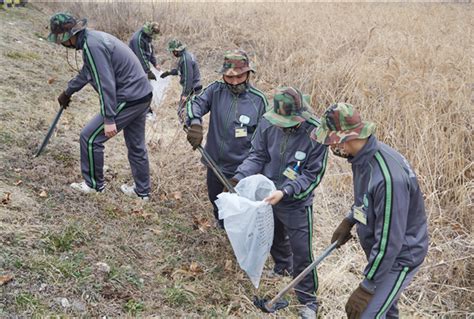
{"x": 103, "y": 267}
{"x": 43, "y": 287}
{"x": 79, "y": 306}
{"x": 65, "y": 303}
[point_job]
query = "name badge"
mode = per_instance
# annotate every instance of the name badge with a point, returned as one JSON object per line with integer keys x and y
{"x": 290, "y": 173}
{"x": 241, "y": 131}
{"x": 360, "y": 215}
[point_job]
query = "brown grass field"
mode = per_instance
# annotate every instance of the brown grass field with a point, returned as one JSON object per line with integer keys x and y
{"x": 407, "y": 67}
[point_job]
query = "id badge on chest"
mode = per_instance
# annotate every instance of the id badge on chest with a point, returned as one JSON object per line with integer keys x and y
{"x": 241, "y": 131}
{"x": 290, "y": 173}
{"x": 360, "y": 215}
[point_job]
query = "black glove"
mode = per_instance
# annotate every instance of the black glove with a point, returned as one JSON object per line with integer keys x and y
{"x": 151, "y": 75}
{"x": 342, "y": 233}
{"x": 232, "y": 182}
{"x": 357, "y": 302}
{"x": 165, "y": 74}
{"x": 64, "y": 99}
{"x": 195, "y": 135}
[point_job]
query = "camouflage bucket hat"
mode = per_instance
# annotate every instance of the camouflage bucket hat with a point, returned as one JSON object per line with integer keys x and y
{"x": 341, "y": 123}
{"x": 235, "y": 63}
{"x": 63, "y": 26}
{"x": 151, "y": 28}
{"x": 290, "y": 108}
{"x": 175, "y": 45}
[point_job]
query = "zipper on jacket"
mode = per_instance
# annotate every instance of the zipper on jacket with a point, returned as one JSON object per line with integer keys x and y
{"x": 282, "y": 153}
{"x": 226, "y": 126}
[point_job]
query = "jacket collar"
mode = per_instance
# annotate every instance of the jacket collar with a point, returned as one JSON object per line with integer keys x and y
{"x": 366, "y": 152}
{"x": 81, "y": 38}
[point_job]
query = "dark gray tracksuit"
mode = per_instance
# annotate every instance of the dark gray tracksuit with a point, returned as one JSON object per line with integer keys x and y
{"x": 190, "y": 78}
{"x": 275, "y": 151}
{"x": 141, "y": 45}
{"x": 124, "y": 94}
{"x": 391, "y": 224}
{"x": 227, "y": 112}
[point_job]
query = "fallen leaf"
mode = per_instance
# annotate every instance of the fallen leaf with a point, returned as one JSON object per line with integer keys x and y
{"x": 177, "y": 195}
{"x": 51, "y": 80}
{"x": 43, "y": 194}
{"x": 163, "y": 197}
{"x": 6, "y": 198}
{"x": 228, "y": 265}
{"x": 195, "y": 268}
{"x": 5, "y": 279}
{"x": 202, "y": 224}
{"x": 19, "y": 182}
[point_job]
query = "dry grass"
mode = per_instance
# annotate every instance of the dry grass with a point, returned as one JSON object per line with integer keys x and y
{"x": 407, "y": 67}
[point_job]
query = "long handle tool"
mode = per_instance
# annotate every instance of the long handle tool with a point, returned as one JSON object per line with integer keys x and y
{"x": 214, "y": 167}
{"x": 277, "y": 303}
{"x": 50, "y": 132}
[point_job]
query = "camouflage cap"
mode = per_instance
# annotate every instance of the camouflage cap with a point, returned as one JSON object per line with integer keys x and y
{"x": 63, "y": 26}
{"x": 150, "y": 28}
{"x": 290, "y": 108}
{"x": 175, "y": 45}
{"x": 235, "y": 63}
{"x": 341, "y": 123}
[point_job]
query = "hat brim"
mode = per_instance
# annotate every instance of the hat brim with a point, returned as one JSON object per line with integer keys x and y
{"x": 235, "y": 71}
{"x": 328, "y": 137}
{"x": 63, "y": 37}
{"x": 286, "y": 121}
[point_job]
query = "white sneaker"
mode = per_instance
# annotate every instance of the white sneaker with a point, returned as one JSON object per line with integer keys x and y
{"x": 84, "y": 188}
{"x": 307, "y": 313}
{"x": 130, "y": 191}
{"x": 151, "y": 116}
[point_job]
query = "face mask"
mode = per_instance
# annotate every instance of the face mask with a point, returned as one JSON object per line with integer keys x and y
{"x": 237, "y": 88}
{"x": 340, "y": 152}
{"x": 68, "y": 44}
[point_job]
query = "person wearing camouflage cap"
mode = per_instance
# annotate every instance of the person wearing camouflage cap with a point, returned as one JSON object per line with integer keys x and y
{"x": 235, "y": 108}
{"x": 388, "y": 210}
{"x": 141, "y": 45}
{"x": 283, "y": 151}
{"x": 188, "y": 70}
{"x": 124, "y": 95}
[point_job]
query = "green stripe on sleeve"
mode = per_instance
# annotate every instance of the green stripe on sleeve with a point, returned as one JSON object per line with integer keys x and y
{"x": 316, "y": 181}
{"x": 261, "y": 95}
{"x": 145, "y": 61}
{"x": 96, "y": 77}
{"x": 386, "y": 216}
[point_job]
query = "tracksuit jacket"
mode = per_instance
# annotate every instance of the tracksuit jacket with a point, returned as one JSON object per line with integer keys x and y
{"x": 141, "y": 45}
{"x": 188, "y": 68}
{"x": 227, "y": 111}
{"x": 387, "y": 193}
{"x": 112, "y": 70}
{"x": 274, "y": 150}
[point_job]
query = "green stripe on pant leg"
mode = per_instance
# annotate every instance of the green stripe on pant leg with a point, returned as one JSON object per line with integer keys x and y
{"x": 90, "y": 154}
{"x": 90, "y": 150}
{"x": 309, "y": 211}
{"x": 393, "y": 293}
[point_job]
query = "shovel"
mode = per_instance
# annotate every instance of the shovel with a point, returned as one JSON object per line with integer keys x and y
{"x": 50, "y": 132}
{"x": 277, "y": 303}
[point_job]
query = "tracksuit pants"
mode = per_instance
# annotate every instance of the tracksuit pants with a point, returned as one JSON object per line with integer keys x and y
{"x": 389, "y": 288}
{"x": 130, "y": 119}
{"x": 214, "y": 188}
{"x": 292, "y": 249}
